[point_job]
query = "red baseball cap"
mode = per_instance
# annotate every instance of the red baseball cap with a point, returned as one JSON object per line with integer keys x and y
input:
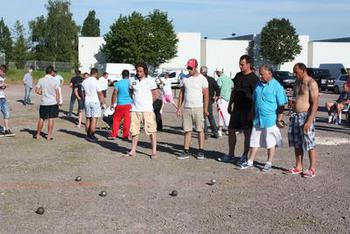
{"x": 192, "y": 63}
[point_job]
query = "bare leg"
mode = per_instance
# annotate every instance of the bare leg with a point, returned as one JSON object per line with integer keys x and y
{"x": 247, "y": 133}
{"x": 93, "y": 126}
{"x": 6, "y": 124}
{"x": 312, "y": 157}
{"x": 299, "y": 153}
{"x": 232, "y": 142}
{"x": 271, "y": 153}
{"x": 153, "y": 137}
{"x": 39, "y": 127}
{"x": 134, "y": 141}
{"x": 252, "y": 153}
{"x": 87, "y": 126}
{"x": 201, "y": 138}
{"x": 187, "y": 140}
{"x": 50, "y": 128}
{"x": 80, "y": 118}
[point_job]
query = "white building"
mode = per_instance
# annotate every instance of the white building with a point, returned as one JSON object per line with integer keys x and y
{"x": 225, "y": 53}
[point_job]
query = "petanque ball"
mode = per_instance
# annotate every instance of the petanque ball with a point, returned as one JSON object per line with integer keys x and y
{"x": 78, "y": 179}
{"x": 173, "y": 193}
{"x": 103, "y": 193}
{"x": 40, "y": 210}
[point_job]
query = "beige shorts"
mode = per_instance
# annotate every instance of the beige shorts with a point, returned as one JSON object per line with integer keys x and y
{"x": 193, "y": 117}
{"x": 148, "y": 120}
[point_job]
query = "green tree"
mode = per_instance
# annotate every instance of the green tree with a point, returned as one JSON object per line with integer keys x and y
{"x": 20, "y": 46}
{"x": 56, "y": 35}
{"x": 279, "y": 41}
{"x": 5, "y": 40}
{"x": 91, "y": 25}
{"x": 136, "y": 38}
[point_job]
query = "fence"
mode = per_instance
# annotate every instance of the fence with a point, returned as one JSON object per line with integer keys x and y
{"x": 2, "y": 58}
{"x": 41, "y": 65}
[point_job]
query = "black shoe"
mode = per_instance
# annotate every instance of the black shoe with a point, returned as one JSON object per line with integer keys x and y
{"x": 200, "y": 154}
{"x": 91, "y": 138}
{"x": 8, "y": 133}
{"x": 184, "y": 155}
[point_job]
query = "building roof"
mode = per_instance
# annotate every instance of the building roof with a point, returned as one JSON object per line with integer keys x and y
{"x": 342, "y": 39}
{"x": 248, "y": 37}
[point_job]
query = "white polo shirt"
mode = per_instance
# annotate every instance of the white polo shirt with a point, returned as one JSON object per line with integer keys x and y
{"x": 194, "y": 85}
{"x": 91, "y": 87}
{"x": 103, "y": 83}
{"x": 142, "y": 97}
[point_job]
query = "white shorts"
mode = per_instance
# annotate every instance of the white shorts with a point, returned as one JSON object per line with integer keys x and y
{"x": 92, "y": 110}
{"x": 224, "y": 116}
{"x": 265, "y": 137}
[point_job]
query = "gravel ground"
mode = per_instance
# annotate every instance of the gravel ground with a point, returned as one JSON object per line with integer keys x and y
{"x": 37, "y": 173}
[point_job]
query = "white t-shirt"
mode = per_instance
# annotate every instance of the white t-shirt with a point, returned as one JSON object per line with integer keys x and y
{"x": 167, "y": 87}
{"x": 194, "y": 86}
{"x": 103, "y": 82}
{"x": 2, "y": 91}
{"x": 48, "y": 86}
{"x": 91, "y": 87}
{"x": 142, "y": 97}
{"x": 59, "y": 79}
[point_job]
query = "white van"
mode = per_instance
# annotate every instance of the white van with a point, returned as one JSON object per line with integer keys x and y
{"x": 114, "y": 71}
{"x": 336, "y": 69}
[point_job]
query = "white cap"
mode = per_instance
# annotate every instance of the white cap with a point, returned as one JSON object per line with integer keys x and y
{"x": 220, "y": 69}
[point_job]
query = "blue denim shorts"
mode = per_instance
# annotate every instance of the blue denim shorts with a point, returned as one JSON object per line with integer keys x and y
{"x": 4, "y": 108}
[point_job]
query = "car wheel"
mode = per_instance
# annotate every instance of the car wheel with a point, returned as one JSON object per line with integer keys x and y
{"x": 336, "y": 89}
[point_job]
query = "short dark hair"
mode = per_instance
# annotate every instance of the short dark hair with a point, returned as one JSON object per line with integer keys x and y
{"x": 301, "y": 66}
{"x": 125, "y": 73}
{"x": 248, "y": 59}
{"x": 144, "y": 66}
{"x": 93, "y": 71}
{"x": 77, "y": 72}
{"x": 105, "y": 73}
{"x": 3, "y": 68}
{"x": 49, "y": 69}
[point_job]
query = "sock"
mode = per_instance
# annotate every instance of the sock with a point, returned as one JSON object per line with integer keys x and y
{"x": 269, "y": 163}
{"x": 250, "y": 162}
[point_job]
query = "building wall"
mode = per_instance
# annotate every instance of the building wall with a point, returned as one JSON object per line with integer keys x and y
{"x": 303, "y": 57}
{"x": 224, "y": 54}
{"x": 329, "y": 52}
{"x": 188, "y": 47}
{"x": 89, "y": 52}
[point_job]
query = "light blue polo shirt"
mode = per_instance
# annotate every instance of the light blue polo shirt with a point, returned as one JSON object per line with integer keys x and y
{"x": 123, "y": 97}
{"x": 267, "y": 98}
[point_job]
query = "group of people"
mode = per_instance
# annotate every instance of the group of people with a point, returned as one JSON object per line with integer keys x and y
{"x": 247, "y": 104}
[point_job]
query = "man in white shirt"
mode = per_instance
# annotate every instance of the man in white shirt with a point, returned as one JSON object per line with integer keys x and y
{"x": 144, "y": 93}
{"x": 4, "y": 106}
{"x": 28, "y": 86}
{"x": 48, "y": 88}
{"x": 103, "y": 82}
{"x": 93, "y": 101}
{"x": 60, "y": 81}
{"x": 194, "y": 95}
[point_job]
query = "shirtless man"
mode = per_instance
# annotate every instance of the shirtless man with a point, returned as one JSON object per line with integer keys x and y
{"x": 301, "y": 133}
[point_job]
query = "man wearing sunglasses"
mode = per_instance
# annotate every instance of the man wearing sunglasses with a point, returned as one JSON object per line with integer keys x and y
{"x": 194, "y": 95}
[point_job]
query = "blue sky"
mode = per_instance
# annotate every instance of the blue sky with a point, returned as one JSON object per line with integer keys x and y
{"x": 215, "y": 19}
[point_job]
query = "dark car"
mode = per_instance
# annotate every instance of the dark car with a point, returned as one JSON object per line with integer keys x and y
{"x": 323, "y": 78}
{"x": 285, "y": 78}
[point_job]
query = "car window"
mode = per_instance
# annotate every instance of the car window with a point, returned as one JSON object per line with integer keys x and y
{"x": 343, "y": 78}
{"x": 172, "y": 75}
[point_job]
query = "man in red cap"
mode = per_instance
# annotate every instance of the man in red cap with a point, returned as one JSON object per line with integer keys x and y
{"x": 195, "y": 97}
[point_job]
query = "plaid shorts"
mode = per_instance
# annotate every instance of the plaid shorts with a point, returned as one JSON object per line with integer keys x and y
{"x": 296, "y": 136}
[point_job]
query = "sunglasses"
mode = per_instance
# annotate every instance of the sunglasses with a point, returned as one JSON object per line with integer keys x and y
{"x": 190, "y": 68}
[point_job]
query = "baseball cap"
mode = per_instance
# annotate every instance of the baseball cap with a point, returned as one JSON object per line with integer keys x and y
{"x": 220, "y": 69}
{"x": 192, "y": 63}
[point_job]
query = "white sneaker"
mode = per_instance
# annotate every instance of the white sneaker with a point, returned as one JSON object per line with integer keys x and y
{"x": 220, "y": 133}
{"x": 330, "y": 119}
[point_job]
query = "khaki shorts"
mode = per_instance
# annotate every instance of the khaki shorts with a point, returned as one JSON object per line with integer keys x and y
{"x": 193, "y": 116}
{"x": 147, "y": 118}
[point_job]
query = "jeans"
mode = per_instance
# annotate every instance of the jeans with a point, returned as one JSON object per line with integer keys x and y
{"x": 71, "y": 103}
{"x": 4, "y": 108}
{"x": 157, "y": 106}
{"x": 211, "y": 119}
{"x": 27, "y": 92}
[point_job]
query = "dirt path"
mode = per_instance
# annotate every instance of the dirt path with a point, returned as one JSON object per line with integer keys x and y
{"x": 37, "y": 173}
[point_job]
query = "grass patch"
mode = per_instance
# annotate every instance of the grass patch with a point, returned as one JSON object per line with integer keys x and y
{"x": 15, "y": 76}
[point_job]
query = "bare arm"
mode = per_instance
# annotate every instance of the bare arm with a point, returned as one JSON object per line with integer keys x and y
{"x": 180, "y": 102}
{"x": 101, "y": 97}
{"x": 114, "y": 97}
{"x": 206, "y": 100}
{"x": 38, "y": 90}
{"x": 58, "y": 96}
{"x": 76, "y": 93}
{"x": 313, "y": 92}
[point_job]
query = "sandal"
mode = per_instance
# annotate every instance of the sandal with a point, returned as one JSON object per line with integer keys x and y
{"x": 128, "y": 155}
{"x": 154, "y": 156}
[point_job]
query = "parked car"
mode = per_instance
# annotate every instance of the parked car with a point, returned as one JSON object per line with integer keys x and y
{"x": 339, "y": 83}
{"x": 335, "y": 69}
{"x": 115, "y": 71}
{"x": 323, "y": 78}
{"x": 175, "y": 77}
{"x": 285, "y": 78}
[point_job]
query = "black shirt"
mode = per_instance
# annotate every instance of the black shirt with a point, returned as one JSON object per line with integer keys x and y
{"x": 244, "y": 86}
{"x": 74, "y": 80}
{"x": 77, "y": 84}
{"x": 214, "y": 89}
